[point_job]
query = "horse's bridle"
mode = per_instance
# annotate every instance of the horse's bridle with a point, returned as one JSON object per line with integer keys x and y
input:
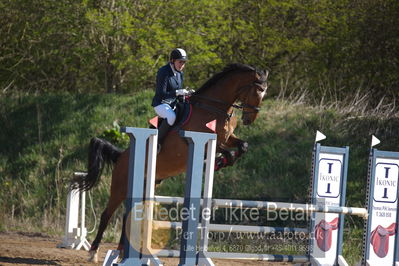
{"x": 241, "y": 106}
{"x": 255, "y": 109}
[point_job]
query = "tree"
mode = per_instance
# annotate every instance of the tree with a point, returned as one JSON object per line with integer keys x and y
{"x": 117, "y": 46}
{"x": 39, "y": 45}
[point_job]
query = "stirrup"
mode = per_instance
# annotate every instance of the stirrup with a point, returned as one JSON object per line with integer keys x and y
{"x": 159, "y": 147}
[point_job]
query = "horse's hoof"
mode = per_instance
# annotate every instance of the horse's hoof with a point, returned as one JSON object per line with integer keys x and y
{"x": 121, "y": 255}
{"x": 244, "y": 146}
{"x": 93, "y": 256}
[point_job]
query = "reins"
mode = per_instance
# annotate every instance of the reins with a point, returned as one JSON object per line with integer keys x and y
{"x": 213, "y": 108}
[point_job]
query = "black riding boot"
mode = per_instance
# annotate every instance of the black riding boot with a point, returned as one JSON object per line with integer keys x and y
{"x": 162, "y": 133}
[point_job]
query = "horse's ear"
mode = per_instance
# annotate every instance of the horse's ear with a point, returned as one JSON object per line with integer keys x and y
{"x": 266, "y": 72}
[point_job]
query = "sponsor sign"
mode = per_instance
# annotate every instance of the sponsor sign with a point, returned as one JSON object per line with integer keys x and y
{"x": 381, "y": 242}
{"x": 330, "y": 172}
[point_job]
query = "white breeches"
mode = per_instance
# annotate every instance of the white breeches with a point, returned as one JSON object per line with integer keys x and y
{"x": 165, "y": 111}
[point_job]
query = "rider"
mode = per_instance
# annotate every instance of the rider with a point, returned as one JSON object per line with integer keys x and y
{"x": 169, "y": 87}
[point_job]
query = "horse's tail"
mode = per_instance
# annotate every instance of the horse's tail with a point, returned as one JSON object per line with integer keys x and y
{"x": 100, "y": 153}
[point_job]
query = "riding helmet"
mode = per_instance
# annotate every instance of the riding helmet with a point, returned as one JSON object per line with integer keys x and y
{"x": 178, "y": 53}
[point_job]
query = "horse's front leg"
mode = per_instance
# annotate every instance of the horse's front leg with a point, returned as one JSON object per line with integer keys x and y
{"x": 225, "y": 158}
{"x": 235, "y": 143}
{"x": 230, "y": 151}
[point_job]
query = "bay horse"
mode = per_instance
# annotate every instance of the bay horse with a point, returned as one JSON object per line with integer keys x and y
{"x": 215, "y": 100}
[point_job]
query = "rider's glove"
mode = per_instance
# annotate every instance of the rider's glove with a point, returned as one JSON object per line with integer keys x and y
{"x": 181, "y": 92}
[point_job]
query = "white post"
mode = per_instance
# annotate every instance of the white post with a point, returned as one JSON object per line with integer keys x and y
{"x": 72, "y": 215}
{"x": 81, "y": 233}
{"x": 75, "y": 236}
{"x": 149, "y": 255}
{"x": 207, "y": 203}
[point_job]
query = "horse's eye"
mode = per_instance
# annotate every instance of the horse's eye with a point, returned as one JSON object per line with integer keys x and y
{"x": 261, "y": 88}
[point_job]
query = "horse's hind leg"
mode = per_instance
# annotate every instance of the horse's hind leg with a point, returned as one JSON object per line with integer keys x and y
{"x": 123, "y": 235}
{"x": 118, "y": 195}
{"x": 113, "y": 204}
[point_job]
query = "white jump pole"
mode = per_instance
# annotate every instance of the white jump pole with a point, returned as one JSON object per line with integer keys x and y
{"x": 272, "y": 206}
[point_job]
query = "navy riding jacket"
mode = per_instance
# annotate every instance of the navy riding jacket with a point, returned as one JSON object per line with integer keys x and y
{"x": 167, "y": 84}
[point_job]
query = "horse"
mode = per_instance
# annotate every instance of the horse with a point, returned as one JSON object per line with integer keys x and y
{"x": 215, "y": 100}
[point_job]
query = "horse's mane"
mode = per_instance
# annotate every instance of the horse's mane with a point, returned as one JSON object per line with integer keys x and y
{"x": 228, "y": 69}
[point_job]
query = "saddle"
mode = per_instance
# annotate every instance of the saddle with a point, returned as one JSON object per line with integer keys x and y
{"x": 183, "y": 113}
{"x": 380, "y": 239}
{"x": 323, "y": 233}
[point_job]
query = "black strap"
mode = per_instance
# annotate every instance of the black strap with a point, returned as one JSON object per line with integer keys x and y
{"x": 236, "y": 106}
{"x": 210, "y": 99}
{"x": 214, "y": 109}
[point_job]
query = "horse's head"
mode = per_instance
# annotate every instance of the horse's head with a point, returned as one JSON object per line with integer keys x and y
{"x": 237, "y": 82}
{"x": 251, "y": 96}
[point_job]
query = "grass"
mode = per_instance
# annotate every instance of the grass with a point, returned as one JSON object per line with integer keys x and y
{"x": 44, "y": 140}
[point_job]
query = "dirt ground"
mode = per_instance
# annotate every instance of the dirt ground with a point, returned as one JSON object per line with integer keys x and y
{"x": 38, "y": 249}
